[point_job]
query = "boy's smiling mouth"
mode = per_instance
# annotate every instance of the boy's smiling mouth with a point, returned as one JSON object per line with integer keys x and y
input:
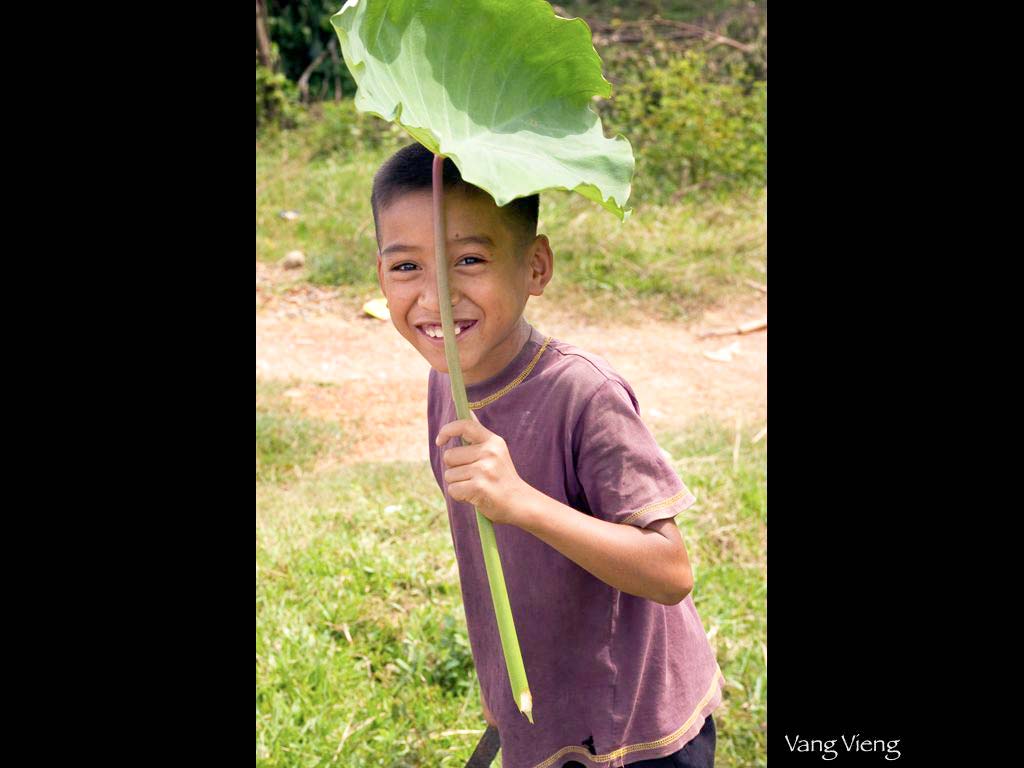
{"x": 462, "y": 327}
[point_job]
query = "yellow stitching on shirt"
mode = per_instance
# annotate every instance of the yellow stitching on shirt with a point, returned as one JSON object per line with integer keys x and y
{"x": 719, "y": 679}
{"x": 515, "y": 382}
{"x": 656, "y": 505}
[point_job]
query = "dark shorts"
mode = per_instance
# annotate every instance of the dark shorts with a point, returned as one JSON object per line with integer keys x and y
{"x": 699, "y": 752}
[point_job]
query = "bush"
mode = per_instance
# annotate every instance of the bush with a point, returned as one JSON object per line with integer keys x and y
{"x": 338, "y": 127}
{"x": 692, "y": 129}
{"x": 277, "y": 100}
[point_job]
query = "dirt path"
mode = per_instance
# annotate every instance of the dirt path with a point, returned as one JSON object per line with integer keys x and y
{"x": 356, "y": 370}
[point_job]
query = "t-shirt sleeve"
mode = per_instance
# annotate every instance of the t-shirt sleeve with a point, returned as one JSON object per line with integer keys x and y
{"x": 619, "y": 465}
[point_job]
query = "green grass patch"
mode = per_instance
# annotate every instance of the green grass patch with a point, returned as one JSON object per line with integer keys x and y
{"x": 726, "y": 533}
{"x": 670, "y": 262}
{"x": 364, "y": 551}
{"x": 287, "y": 443}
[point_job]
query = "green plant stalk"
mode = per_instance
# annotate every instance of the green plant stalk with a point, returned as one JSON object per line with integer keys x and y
{"x": 492, "y": 560}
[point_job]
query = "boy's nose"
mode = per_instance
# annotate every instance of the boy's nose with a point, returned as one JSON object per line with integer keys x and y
{"x": 428, "y": 298}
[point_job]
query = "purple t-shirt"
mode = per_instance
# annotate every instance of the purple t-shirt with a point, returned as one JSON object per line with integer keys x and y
{"x": 634, "y": 678}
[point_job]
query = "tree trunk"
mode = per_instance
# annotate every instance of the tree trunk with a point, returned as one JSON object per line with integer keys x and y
{"x": 304, "y": 79}
{"x": 263, "y": 50}
{"x": 337, "y": 67}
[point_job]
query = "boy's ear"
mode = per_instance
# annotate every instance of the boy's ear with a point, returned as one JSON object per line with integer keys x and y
{"x": 542, "y": 265}
{"x": 380, "y": 274}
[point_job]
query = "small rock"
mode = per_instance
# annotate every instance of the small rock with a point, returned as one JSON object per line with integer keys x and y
{"x": 289, "y": 215}
{"x": 294, "y": 259}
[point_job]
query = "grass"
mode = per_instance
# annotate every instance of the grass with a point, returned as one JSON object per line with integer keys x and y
{"x": 362, "y": 656}
{"x": 727, "y": 538}
{"x": 668, "y": 261}
{"x": 287, "y": 444}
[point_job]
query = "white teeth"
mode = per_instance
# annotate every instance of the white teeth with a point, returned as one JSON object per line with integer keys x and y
{"x": 437, "y": 332}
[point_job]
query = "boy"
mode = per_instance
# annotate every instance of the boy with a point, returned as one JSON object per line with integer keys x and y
{"x": 583, "y": 503}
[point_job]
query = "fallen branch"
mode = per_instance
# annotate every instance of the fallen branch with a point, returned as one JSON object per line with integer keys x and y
{"x": 748, "y": 327}
{"x": 760, "y": 286}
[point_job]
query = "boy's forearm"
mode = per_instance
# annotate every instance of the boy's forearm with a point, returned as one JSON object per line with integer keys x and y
{"x": 634, "y": 560}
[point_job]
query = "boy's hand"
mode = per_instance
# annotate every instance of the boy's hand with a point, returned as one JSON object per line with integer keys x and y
{"x": 482, "y": 473}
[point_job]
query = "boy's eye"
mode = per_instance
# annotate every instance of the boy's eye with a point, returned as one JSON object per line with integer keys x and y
{"x": 398, "y": 267}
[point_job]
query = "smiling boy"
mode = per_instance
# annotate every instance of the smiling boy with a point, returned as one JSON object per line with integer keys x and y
{"x": 582, "y": 499}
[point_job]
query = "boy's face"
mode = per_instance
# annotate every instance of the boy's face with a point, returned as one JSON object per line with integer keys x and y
{"x": 490, "y": 279}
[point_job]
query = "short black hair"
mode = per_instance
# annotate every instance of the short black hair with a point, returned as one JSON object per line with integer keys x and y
{"x": 411, "y": 169}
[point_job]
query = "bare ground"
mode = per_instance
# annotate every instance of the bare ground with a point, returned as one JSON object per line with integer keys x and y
{"x": 355, "y": 370}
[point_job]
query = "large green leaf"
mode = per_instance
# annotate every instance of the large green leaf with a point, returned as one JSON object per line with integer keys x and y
{"x": 502, "y": 87}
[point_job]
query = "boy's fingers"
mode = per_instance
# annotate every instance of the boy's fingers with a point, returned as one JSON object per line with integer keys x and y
{"x": 445, "y": 433}
{"x": 448, "y": 431}
{"x": 471, "y": 429}
{"x": 464, "y": 454}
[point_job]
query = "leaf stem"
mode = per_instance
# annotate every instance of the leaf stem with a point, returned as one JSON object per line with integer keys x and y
{"x": 495, "y": 577}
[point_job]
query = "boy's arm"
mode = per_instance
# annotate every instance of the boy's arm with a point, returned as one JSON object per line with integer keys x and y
{"x": 647, "y": 562}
